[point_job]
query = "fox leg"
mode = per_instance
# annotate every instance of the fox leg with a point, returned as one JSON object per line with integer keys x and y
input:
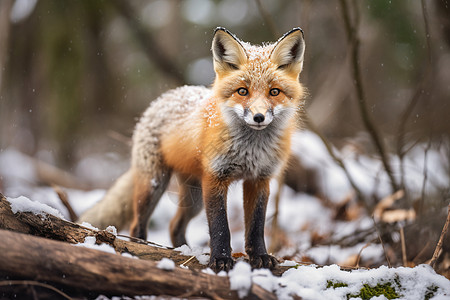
{"x": 190, "y": 204}
{"x": 256, "y": 195}
{"x": 215, "y": 201}
{"x": 148, "y": 189}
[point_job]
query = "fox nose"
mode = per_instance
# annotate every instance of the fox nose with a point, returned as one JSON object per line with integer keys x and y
{"x": 258, "y": 118}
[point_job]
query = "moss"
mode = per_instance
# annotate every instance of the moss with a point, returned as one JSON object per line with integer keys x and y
{"x": 391, "y": 289}
{"x": 431, "y": 290}
{"x": 335, "y": 284}
{"x": 367, "y": 292}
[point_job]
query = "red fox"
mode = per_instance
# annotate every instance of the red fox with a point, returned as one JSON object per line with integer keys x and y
{"x": 239, "y": 129}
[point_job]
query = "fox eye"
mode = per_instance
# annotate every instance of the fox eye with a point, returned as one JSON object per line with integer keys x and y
{"x": 274, "y": 92}
{"x": 242, "y": 91}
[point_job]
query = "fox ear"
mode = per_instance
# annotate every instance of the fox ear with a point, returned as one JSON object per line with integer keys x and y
{"x": 227, "y": 50}
{"x": 289, "y": 50}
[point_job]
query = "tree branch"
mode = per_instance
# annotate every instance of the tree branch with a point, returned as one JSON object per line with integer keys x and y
{"x": 416, "y": 97}
{"x": 359, "y": 195}
{"x": 353, "y": 40}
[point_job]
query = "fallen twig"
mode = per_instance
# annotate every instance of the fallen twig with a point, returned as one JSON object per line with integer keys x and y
{"x": 402, "y": 239}
{"x": 65, "y": 201}
{"x": 438, "y": 249}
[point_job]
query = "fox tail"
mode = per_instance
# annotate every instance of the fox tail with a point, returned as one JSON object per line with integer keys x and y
{"x": 116, "y": 208}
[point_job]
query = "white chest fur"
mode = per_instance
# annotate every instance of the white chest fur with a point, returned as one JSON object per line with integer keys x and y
{"x": 249, "y": 153}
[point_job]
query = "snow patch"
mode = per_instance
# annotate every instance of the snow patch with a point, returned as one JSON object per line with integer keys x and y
{"x": 89, "y": 242}
{"x": 89, "y": 226}
{"x": 288, "y": 263}
{"x": 310, "y": 282}
{"x": 23, "y": 204}
{"x": 241, "y": 278}
{"x": 126, "y": 254}
{"x": 111, "y": 229}
{"x": 198, "y": 252}
{"x": 166, "y": 264}
{"x": 265, "y": 279}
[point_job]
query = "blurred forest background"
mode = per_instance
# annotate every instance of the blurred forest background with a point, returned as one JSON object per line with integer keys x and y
{"x": 75, "y": 75}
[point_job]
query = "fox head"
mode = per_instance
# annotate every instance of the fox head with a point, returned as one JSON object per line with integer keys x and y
{"x": 258, "y": 85}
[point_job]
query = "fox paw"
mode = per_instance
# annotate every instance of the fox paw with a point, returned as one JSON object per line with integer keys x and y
{"x": 264, "y": 261}
{"x": 222, "y": 263}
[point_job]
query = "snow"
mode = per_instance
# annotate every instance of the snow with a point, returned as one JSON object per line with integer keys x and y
{"x": 240, "y": 278}
{"x": 126, "y": 254}
{"x": 166, "y": 264}
{"x": 200, "y": 253}
{"x": 89, "y": 226}
{"x": 90, "y": 242}
{"x": 23, "y": 204}
{"x": 112, "y": 229}
{"x": 311, "y": 282}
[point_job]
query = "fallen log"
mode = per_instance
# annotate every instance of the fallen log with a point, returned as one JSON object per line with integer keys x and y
{"x": 94, "y": 271}
{"x": 52, "y": 227}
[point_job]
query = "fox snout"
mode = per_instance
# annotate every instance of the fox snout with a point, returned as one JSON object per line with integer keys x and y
{"x": 258, "y": 119}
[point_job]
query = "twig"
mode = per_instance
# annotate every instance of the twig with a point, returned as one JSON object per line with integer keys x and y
{"x": 415, "y": 99}
{"x": 402, "y": 239}
{"x": 381, "y": 241}
{"x": 353, "y": 41}
{"x": 359, "y": 195}
{"x": 425, "y": 176}
{"x": 187, "y": 261}
{"x": 354, "y": 238}
{"x": 438, "y": 249}
{"x": 141, "y": 241}
{"x": 34, "y": 283}
{"x": 65, "y": 201}
{"x": 358, "y": 258}
{"x": 421, "y": 252}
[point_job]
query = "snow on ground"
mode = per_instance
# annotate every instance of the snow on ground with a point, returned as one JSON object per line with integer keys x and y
{"x": 300, "y": 215}
{"x": 329, "y": 282}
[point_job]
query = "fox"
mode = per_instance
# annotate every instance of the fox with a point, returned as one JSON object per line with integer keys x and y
{"x": 239, "y": 129}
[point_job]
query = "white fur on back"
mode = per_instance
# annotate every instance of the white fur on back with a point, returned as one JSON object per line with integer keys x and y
{"x": 164, "y": 115}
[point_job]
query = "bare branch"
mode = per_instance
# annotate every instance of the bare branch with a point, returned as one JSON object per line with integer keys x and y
{"x": 359, "y": 195}
{"x": 382, "y": 243}
{"x": 65, "y": 201}
{"x": 402, "y": 239}
{"x": 401, "y": 152}
{"x": 438, "y": 249}
{"x": 353, "y": 41}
